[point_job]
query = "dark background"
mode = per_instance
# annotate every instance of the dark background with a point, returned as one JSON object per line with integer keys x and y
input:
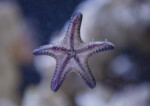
{"x": 47, "y": 15}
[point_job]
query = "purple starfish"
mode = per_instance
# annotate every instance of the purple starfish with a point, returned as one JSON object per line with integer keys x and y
{"x": 72, "y": 54}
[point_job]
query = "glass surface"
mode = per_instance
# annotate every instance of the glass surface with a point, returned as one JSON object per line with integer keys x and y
{"x": 122, "y": 75}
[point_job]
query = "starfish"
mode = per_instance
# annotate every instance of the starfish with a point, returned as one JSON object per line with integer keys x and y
{"x": 72, "y": 54}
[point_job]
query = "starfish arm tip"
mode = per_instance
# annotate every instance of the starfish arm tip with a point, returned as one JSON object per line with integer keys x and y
{"x": 44, "y": 50}
{"x": 77, "y": 14}
{"x": 54, "y": 89}
{"x": 107, "y": 46}
{"x": 111, "y": 44}
{"x": 55, "y": 85}
{"x": 92, "y": 87}
{"x": 91, "y": 84}
{"x": 76, "y": 19}
{"x": 35, "y": 52}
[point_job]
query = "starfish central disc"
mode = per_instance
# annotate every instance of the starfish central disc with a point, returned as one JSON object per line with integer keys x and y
{"x": 71, "y": 53}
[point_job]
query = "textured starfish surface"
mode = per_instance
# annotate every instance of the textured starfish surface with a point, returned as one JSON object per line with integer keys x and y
{"x": 72, "y": 54}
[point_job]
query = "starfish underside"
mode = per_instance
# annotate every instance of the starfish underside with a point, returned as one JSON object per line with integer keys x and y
{"x": 72, "y": 54}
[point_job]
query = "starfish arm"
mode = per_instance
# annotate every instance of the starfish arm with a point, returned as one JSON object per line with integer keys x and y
{"x": 73, "y": 32}
{"x": 50, "y": 50}
{"x": 84, "y": 71}
{"x": 61, "y": 71}
{"x": 96, "y": 47}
